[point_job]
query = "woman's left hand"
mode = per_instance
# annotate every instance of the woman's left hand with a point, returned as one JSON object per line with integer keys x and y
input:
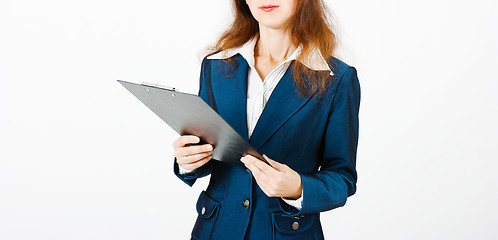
{"x": 277, "y": 180}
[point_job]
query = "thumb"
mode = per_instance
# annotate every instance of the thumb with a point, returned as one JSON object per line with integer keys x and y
{"x": 278, "y": 166}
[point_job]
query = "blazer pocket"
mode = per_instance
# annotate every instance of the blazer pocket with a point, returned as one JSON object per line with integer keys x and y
{"x": 207, "y": 210}
{"x": 286, "y": 227}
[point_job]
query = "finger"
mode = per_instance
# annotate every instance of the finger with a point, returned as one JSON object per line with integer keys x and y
{"x": 263, "y": 180}
{"x": 185, "y": 139}
{"x": 276, "y": 165}
{"x": 249, "y": 162}
{"x": 250, "y": 165}
{"x": 192, "y": 150}
{"x": 258, "y": 174}
{"x": 196, "y": 157}
{"x": 261, "y": 165}
{"x": 197, "y": 164}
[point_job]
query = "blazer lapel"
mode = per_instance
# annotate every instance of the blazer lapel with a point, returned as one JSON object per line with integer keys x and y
{"x": 284, "y": 102}
{"x": 230, "y": 93}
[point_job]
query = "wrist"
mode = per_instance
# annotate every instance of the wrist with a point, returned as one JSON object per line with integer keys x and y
{"x": 295, "y": 196}
{"x": 297, "y": 193}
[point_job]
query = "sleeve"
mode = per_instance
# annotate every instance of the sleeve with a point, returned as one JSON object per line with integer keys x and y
{"x": 191, "y": 177}
{"x": 336, "y": 180}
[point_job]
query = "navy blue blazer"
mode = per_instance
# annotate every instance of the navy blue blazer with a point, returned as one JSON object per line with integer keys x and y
{"x": 316, "y": 135}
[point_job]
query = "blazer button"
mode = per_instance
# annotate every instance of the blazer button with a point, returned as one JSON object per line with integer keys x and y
{"x": 295, "y": 226}
{"x": 245, "y": 204}
{"x": 247, "y": 170}
{"x": 203, "y": 210}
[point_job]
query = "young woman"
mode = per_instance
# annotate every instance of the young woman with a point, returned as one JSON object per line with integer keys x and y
{"x": 272, "y": 76}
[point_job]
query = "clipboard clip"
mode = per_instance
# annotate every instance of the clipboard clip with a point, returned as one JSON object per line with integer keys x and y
{"x": 147, "y": 84}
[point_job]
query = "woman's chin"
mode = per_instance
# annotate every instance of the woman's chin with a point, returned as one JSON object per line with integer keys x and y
{"x": 271, "y": 24}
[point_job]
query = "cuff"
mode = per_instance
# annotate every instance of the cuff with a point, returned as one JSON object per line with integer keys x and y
{"x": 298, "y": 203}
{"x": 183, "y": 171}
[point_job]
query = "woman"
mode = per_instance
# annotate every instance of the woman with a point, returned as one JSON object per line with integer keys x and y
{"x": 273, "y": 78}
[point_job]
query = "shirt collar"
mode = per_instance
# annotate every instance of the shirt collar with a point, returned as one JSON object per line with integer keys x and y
{"x": 316, "y": 61}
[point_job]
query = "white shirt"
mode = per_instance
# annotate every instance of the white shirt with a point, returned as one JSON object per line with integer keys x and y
{"x": 259, "y": 91}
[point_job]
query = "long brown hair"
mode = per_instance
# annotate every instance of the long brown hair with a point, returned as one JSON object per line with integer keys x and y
{"x": 310, "y": 27}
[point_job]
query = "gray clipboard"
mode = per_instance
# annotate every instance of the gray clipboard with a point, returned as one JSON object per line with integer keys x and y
{"x": 188, "y": 114}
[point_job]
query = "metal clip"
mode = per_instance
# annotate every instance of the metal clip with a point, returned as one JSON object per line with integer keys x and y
{"x": 158, "y": 86}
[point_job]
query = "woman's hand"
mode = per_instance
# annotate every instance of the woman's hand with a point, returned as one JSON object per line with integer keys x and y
{"x": 191, "y": 157}
{"x": 279, "y": 180}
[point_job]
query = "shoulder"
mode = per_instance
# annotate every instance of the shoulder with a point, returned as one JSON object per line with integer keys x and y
{"x": 213, "y": 59}
{"x": 343, "y": 72}
{"x": 339, "y": 68}
{"x": 345, "y": 80}
{"x": 223, "y": 66}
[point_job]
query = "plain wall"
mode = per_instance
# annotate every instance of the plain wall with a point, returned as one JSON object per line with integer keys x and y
{"x": 81, "y": 158}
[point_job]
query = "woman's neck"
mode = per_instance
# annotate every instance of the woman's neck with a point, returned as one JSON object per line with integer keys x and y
{"x": 274, "y": 45}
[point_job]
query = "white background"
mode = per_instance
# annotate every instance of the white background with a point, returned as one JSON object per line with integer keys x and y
{"x": 81, "y": 158}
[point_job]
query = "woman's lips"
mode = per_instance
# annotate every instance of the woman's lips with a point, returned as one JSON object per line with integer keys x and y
{"x": 268, "y": 8}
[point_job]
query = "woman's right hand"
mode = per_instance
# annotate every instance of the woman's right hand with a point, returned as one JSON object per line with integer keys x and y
{"x": 191, "y": 157}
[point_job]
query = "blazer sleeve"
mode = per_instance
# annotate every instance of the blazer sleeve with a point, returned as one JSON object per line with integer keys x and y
{"x": 206, "y": 169}
{"x": 336, "y": 179}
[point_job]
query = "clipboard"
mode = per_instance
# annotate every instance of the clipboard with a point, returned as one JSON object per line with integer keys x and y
{"x": 188, "y": 114}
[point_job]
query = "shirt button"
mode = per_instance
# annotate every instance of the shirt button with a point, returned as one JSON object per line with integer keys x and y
{"x": 245, "y": 204}
{"x": 295, "y": 226}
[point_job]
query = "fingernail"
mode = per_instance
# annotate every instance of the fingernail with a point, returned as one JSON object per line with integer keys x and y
{"x": 208, "y": 148}
{"x": 242, "y": 159}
